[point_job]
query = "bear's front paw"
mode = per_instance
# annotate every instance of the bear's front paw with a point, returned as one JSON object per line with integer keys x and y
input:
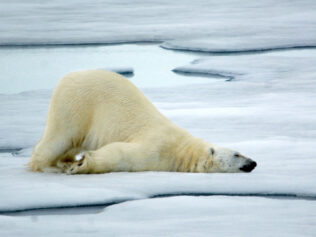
{"x": 78, "y": 166}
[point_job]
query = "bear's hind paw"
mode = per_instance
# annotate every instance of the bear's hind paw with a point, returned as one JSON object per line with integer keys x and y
{"x": 78, "y": 167}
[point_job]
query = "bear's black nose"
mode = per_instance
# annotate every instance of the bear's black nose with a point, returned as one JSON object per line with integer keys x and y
{"x": 249, "y": 167}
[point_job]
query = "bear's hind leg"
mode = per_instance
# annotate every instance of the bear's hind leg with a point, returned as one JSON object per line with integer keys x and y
{"x": 46, "y": 153}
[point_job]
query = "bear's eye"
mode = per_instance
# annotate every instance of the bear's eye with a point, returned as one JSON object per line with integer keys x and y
{"x": 236, "y": 155}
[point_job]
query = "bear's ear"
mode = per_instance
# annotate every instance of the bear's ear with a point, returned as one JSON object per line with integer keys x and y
{"x": 212, "y": 151}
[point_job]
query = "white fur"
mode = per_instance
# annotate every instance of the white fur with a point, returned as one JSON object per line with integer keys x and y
{"x": 100, "y": 122}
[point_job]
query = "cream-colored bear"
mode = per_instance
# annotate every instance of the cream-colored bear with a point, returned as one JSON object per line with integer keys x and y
{"x": 100, "y": 122}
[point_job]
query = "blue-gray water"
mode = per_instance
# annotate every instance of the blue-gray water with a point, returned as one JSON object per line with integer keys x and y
{"x": 32, "y": 68}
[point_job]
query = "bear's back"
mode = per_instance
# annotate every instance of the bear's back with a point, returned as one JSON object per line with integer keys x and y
{"x": 97, "y": 87}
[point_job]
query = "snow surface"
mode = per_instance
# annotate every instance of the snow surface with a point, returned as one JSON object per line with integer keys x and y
{"x": 177, "y": 216}
{"x": 258, "y": 24}
{"x": 267, "y": 68}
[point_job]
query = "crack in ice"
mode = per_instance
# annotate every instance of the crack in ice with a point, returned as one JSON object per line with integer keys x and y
{"x": 235, "y": 51}
{"x": 97, "y": 207}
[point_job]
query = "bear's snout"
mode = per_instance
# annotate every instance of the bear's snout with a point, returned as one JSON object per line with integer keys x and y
{"x": 249, "y": 166}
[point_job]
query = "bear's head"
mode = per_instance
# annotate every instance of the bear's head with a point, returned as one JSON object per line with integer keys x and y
{"x": 229, "y": 161}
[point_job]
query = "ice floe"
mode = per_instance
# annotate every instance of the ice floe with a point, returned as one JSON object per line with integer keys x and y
{"x": 177, "y": 216}
{"x": 226, "y": 25}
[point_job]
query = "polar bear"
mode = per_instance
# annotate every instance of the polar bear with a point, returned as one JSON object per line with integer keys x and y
{"x": 99, "y": 122}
